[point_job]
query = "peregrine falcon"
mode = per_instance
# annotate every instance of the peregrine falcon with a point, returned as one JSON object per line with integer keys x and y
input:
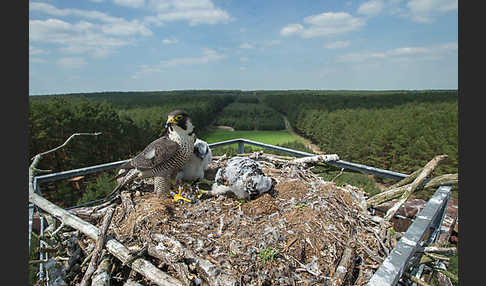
{"x": 164, "y": 157}
{"x": 243, "y": 178}
{"x": 198, "y": 163}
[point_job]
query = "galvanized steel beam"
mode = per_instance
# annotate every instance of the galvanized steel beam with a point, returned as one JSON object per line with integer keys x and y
{"x": 79, "y": 172}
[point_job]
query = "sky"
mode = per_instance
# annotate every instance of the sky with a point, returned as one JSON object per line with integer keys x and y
{"x": 148, "y": 45}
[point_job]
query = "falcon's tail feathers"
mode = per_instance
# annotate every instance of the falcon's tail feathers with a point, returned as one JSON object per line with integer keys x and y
{"x": 128, "y": 177}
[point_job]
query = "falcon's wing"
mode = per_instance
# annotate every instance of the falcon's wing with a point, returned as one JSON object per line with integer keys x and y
{"x": 155, "y": 153}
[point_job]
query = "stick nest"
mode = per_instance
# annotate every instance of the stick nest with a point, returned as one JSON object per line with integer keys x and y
{"x": 295, "y": 234}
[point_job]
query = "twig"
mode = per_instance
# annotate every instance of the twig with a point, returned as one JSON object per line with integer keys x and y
{"x": 435, "y": 249}
{"x": 345, "y": 265}
{"x": 33, "y": 170}
{"x": 340, "y": 173}
{"x": 99, "y": 246}
{"x": 35, "y": 261}
{"x": 416, "y": 280}
{"x": 38, "y": 156}
{"x": 395, "y": 192}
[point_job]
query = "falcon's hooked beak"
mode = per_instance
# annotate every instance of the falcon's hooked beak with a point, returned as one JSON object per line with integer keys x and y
{"x": 171, "y": 120}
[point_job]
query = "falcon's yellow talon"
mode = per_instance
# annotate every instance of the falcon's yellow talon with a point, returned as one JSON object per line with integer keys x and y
{"x": 201, "y": 192}
{"x": 178, "y": 196}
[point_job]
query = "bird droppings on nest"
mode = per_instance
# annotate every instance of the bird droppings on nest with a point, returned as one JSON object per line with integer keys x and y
{"x": 295, "y": 235}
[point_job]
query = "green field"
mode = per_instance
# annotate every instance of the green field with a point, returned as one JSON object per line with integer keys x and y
{"x": 269, "y": 137}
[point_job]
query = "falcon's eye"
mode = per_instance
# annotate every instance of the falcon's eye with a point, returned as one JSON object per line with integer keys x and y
{"x": 178, "y": 117}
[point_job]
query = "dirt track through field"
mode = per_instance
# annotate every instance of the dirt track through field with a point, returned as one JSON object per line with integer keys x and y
{"x": 315, "y": 149}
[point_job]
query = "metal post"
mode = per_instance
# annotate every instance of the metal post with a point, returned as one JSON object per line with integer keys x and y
{"x": 241, "y": 147}
{"x": 31, "y": 219}
{"x": 41, "y": 254}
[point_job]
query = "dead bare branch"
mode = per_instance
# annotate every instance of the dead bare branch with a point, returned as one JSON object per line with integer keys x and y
{"x": 99, "y": 246}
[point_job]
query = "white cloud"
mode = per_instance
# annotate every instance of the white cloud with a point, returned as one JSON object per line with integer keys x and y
{"x": 325, "y": 24}
{"x": 426, "y": 6}
{"x": 95, "y": 34}
{"x": 170, "y": 41}
{"x": 130, "y": 3}
{"x": 111, "y": 25}
{"x": 125, "y": 28}
{"x": 246, "y": 46}
{"x": 423, "y": 11}
{"x": 435, "y": 52}
{"x": 371, "y": 8}
{"x": 291, "y": 29}
{"x": 53, "y": 11}
{"x": 78, "y": 38}
{"x": 37, "y": 51}
{"x": 193, "y": 11}
{"x": 337, "y": 45}
{"x": 37, "y": 60}
{"x": 72, "y": 62}
{"x": 207, "y": 56}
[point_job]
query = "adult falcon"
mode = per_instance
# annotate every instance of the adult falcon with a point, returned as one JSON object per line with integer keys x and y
{"x": 164, "y": 157}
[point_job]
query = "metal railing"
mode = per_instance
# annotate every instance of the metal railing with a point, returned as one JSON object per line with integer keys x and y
{"x": 402, "y": 257}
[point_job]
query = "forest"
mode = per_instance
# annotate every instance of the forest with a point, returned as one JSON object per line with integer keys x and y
{"x": 398, "y": 131}
{"x": 248, "y": 113}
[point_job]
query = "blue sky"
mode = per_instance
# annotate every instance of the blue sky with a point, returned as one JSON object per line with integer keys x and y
{"x": 146, "y": 45}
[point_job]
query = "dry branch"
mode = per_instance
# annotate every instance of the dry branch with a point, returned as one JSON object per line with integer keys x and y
{"x": 130, "y": 282}
{"x": 33, "y": 166}
{"x": 142, "y": 266}
{"x": 426, "y": 171}
{"x": 101, "y": 276}
{"x": 92, "y": 213}
{"x": 443, "y": 250}
{"x": 416, "y": 280}
{"x": 345, "y": 265}
{"x": 99, "y": 246}
{"x": 396, "y": 192}
{"x": 315, "y": 159}
{"x": 406, "y": 180}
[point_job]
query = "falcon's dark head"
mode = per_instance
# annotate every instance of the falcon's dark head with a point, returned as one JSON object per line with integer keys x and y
{"x": 181, "y": 119}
